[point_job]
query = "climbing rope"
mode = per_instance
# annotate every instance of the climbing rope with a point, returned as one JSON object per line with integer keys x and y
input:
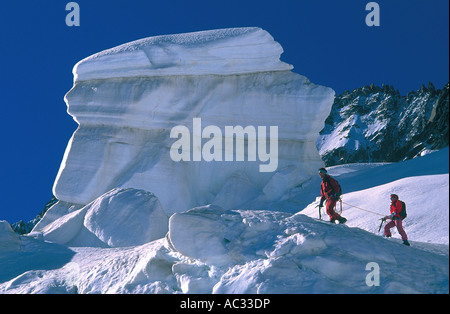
{"x": 321, "y": 210}
{"x": 366, "y": 210}
{"x": 335, "y": 207}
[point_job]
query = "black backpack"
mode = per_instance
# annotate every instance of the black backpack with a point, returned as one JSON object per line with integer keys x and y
{"x": 403, "y": 213}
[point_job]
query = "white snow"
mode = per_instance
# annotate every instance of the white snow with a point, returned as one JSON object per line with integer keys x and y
{"x": 210, "y": 249}
{"x": 376, "y": 200}
{"x": 120, "y": 217}
{"x": 221, "y": 52}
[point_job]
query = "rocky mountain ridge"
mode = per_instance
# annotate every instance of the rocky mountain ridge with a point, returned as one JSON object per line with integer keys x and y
{"x": 377, "y": 124}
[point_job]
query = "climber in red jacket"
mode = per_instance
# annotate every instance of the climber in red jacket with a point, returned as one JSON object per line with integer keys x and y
{"x": 330, "y": 190}
{"x": 396, "y": 219}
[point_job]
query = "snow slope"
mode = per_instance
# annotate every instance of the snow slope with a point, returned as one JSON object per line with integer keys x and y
{"x": 429, "y": 223}
{"x": 210, "y": 249}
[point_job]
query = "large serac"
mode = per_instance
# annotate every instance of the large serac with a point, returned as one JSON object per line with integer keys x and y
{"x": 139, "y": 106}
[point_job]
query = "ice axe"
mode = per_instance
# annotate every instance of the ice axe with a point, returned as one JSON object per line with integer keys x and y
{"x": 381, "y": 224}
{"x": 320, "y": 211}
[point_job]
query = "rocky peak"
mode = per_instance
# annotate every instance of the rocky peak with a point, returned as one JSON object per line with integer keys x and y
{"x": 373, "y": 124}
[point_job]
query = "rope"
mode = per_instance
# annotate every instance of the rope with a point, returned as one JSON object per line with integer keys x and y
{"x": 353, "y": 206}
{"x": 336, "y": 209}
{"x": 322, "y": 211}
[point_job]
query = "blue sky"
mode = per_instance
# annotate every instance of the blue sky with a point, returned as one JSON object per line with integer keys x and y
{"x": 326, "y": 40}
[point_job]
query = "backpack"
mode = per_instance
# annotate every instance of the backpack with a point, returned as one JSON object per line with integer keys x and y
{"x": 403, "y": 213}
{"x": 334, "y": 186}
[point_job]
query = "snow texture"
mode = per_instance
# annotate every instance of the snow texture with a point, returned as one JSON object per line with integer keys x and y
{"x": 120, "y": 217}
{"x": 221, "y": 52}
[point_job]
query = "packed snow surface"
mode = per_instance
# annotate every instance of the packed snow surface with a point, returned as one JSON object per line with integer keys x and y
{"x": 210, "y": 249}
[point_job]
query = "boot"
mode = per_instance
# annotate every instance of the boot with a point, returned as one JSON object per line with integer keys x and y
{"x": 406, "y": 243}
{"x": 342, "y": 220}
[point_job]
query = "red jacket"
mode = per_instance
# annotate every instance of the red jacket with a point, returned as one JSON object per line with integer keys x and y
{"x": 329, "y": 187}
{"x": 396, "y": 208}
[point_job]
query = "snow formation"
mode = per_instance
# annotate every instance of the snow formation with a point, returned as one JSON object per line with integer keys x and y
{"x": 127, "y": 100}
{"x": 120, "y": 217}
{"x": 130, "y": 220}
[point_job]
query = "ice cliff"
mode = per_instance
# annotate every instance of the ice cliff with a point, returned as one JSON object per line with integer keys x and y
{"x": 128, "y": 99}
